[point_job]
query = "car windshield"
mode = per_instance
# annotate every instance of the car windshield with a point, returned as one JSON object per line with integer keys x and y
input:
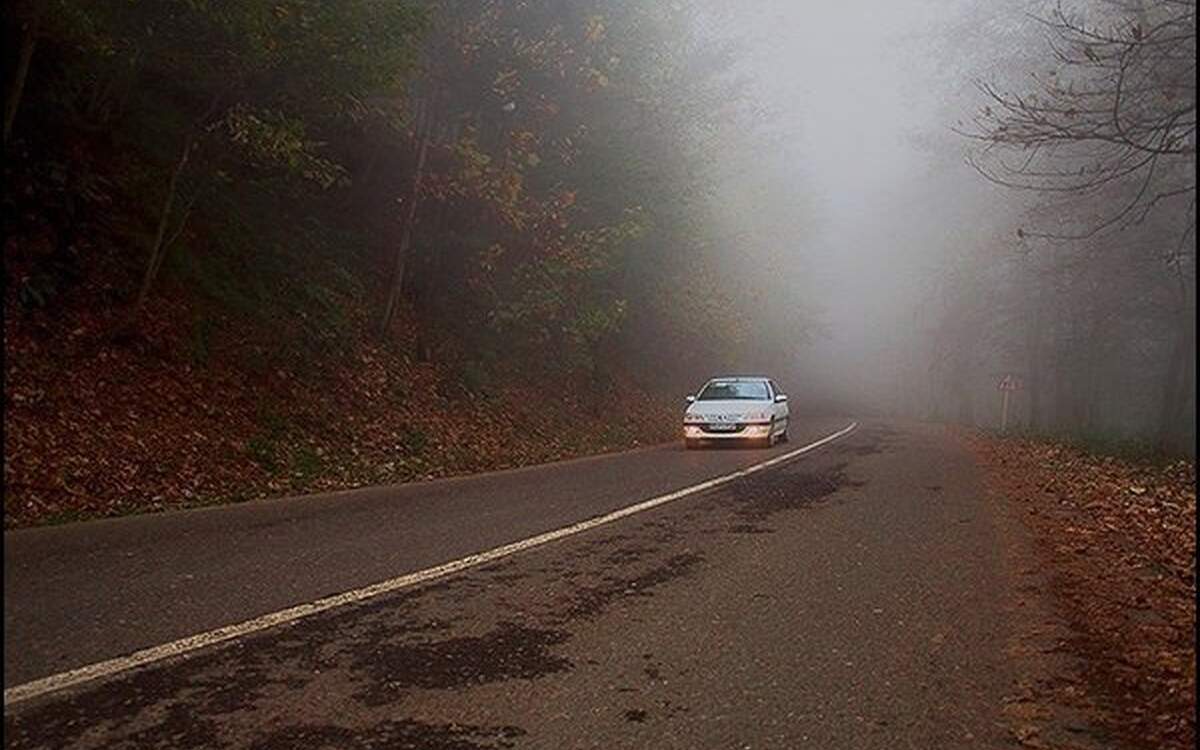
{"x": 738, "y": 390}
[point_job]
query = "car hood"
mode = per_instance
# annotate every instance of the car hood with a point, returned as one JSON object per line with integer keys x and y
{"x": 726, "y": 408}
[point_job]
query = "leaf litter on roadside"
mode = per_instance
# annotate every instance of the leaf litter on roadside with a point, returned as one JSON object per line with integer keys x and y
{"x": 1117, "y": 539}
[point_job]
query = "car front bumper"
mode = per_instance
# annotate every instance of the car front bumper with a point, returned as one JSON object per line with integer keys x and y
{"x": 750, "y": 431}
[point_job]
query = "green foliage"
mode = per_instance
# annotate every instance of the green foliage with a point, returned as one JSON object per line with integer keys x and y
{"x": 271, "y": 139}
{"x": 313, "y": 53}
{"x": 262, "y": 449}
{"x": 597, "y": 184}
{"x": 68, "y": 515}
{"x": 1133, "y": 449}
{"x": 306, "y": 464}
{"x": 267, "y": 444}
{"x": 216, "y": 278}
{"x": 413, "y": 441}
{"x": 256, "y": 88}
{"x": 476, "y": 378}
{"x": 564, "y": 199}
{"x": 566, "y": 298}
{"x": 260, "y": 268}
{"x": 1138, "y": 449}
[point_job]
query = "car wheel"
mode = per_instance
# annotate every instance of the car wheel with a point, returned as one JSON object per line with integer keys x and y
{"x": 783, "y": 436}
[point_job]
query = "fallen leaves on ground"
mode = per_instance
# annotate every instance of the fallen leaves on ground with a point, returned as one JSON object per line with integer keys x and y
{"x": 98, "y": 427}
{"x": 1119, "y": 541}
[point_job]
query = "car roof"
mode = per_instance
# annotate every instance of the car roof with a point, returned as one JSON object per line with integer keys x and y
{"x": 737, "y": 378}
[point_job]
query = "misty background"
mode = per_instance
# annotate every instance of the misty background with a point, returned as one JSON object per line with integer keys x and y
{"x": 892, "y": 216}
{"x": 256, "y": 249}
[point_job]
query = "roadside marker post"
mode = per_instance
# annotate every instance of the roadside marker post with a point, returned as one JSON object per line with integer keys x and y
{"x": 1007, "y": 385}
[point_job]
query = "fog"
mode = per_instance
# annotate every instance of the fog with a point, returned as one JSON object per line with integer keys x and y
{"x": 875, "y": 99}
{"x": 855, "y": 88}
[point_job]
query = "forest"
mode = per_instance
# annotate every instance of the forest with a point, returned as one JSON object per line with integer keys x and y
{"x": 281, "y": 241}
{"x": 255, "y": 249}
{"x": 1092, "y": 296}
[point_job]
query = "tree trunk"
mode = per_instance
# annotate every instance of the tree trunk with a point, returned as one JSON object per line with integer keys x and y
{"x": 1062, "y": 393}
{"x": 1187, "y": 406}
{"x": 961, "y": 389}
{"x": 397, "y": 281}
{"x": 1179, "y": 386}
{"x": 158, "y": 249}
{"x": 1033, "y": 353}
{"x": 16, "y": 88}
{"x": 1179, "y": 376}
{"x": 1092, "y": 358}
{"x": 431, "y": 286}
{"x": 966, "y": 407}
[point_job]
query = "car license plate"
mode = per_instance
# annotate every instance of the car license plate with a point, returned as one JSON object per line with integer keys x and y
{"x": 719, "y": 427}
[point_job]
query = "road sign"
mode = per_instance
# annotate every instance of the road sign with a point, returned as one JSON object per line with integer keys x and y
{"x": 1009, "y": 383}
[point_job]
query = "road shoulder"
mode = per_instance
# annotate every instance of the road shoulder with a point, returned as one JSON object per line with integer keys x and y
{"x": 1104, "y": 613}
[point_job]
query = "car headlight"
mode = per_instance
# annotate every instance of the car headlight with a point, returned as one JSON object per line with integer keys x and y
{"x": 694, "y": 418}
{"x": 757, "y": 416}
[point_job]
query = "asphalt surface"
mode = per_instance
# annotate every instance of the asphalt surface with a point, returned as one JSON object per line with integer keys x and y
{"x": 84, "y": 592}
{"x": 851, "y": 598}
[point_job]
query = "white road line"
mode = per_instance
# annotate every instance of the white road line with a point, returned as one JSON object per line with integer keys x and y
{"x": 291, "y": 614}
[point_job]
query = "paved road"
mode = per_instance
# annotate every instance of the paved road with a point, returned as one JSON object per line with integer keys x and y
{"x": 85, "y": 592}
{"x": 848, "y": 598}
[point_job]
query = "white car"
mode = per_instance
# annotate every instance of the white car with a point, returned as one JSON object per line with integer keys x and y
{"x": 741, "y": 408}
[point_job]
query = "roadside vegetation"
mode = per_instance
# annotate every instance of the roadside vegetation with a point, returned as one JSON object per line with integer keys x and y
{"x": 257, "y": 249}
{"x": 1116, "y": 539}
{"x": 1078, "y": 276}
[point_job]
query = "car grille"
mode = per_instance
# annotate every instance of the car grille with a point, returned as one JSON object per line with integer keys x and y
{"x": 723, "y": 428}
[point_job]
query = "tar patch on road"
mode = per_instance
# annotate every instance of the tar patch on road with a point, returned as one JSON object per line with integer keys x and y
{"x": 759, "y": 498}
{"x": 508, "y": 651}
{"x": 868, "y": 441}
{"x": 755, "y": 499}
{"x": 115, "y": 709}
{"x": 589, "y": 601}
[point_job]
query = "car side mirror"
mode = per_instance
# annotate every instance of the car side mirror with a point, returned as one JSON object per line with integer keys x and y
{"x": 690, "y": 399}
{"x": 780, "y": 398}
